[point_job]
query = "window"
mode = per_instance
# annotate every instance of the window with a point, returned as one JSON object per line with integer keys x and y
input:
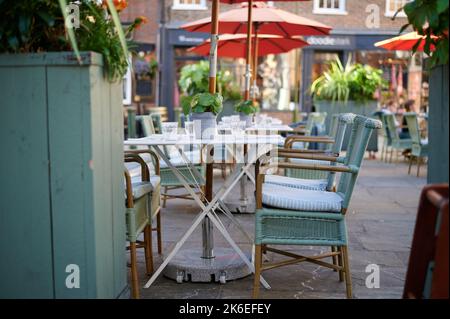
{"x": 329, "y": 7}
{"x": 392, "y": 6}
{"x": 189, "y": 5}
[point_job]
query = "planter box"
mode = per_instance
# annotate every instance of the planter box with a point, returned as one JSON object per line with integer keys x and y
{"x": 366, "y": 109}
{"x": 62, "y": 199}
{"x": 438, "y": 126}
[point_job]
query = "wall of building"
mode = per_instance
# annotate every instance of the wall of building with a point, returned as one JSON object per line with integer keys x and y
{"x": 354, "y": 19}
{"x": 147, "y": 8}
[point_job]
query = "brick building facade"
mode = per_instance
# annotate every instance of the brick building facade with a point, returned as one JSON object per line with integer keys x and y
{"x": 357, "y": 25}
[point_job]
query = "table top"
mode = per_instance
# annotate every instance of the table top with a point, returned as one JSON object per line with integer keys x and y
{"x": 271, "y": 127}
{"x": 159, "y": 139}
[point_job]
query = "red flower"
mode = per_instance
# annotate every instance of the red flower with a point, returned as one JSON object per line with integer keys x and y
{"x": 118, "y": 4}
{"x": 139, "y": 21}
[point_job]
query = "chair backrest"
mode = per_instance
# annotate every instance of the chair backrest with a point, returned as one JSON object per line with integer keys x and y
{"x": 386, "y": 133}
{"x": 413, "y": 126}
{"x": 161, "y": 110}
{"x": 315, "y": 119}
{"x": 359, "y": 139}
{"x": 389, "y": 119}
{"x": 339, "y": 124}
{"x": 157, "y": 120}
{"x": 146, "y": 124}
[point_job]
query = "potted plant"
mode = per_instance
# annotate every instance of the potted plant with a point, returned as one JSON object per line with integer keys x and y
{"x": 246, "y": 109}
{"x": 203, "y": 107}
{"x": 62, "y": 122}
{"x": 348, "y": 89}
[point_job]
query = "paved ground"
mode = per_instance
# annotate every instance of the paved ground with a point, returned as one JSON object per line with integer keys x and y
{"x": 380, "y": 224}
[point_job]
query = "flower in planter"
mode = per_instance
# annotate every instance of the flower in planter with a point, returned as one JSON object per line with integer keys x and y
{"x": 140, "y": 21}
{"x": 118, "y": 4}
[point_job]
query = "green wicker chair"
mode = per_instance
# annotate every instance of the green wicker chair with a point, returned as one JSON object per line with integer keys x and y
{"x": 312, "y": 218}
{"x": 142, "y": 206}
{"x": 419, "y": 149}
{"x": 334, "y": 141}
{"x": 151, "y": 124}
{"x": 387, "y": 140}
{"x": 397, "y": 144}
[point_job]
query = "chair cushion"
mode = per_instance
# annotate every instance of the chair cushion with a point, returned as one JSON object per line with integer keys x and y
{"x": 311, "y": 184}
{"x": 141, "y": 188}
{"x": 300, "y": 199}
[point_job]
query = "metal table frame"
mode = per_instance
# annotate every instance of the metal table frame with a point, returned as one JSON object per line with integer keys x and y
{"x": 208, "y": 208}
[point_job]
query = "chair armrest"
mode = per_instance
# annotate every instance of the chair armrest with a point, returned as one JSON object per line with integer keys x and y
{"x": 290, "y": 140}
{"x": 310, "y": 156}
{"x": 128, "y": 189}
{"x": 145, "y": 175}
{"x": 317, "y": 167}
{"x": 152, "y": 154}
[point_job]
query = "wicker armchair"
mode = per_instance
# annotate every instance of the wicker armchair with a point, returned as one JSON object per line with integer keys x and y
{"x": 419, "y": 149}
{"x": 334, "y": 143}
{"x": 142, "y": 206}
{"x": 288, "y": 216}
{"x": 397, "y": 143}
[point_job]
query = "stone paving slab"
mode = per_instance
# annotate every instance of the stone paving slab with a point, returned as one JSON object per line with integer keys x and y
{"x": 380, "y": 223}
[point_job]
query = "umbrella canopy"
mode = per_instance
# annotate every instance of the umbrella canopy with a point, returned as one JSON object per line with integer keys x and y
{"x": 241, "y": 1}
{"x": 405, "y": 42}
{"x": 235, "y": 45}
{"x": 268, "y": 20}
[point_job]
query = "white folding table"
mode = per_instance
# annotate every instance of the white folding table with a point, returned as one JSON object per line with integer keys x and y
{"x": 261, "y": 144}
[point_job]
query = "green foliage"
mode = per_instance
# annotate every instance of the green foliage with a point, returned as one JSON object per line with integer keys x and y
{"x": 430, "y": 18}
{"x": 350, "y": 82}
{"x": 202, "y": 102}
{"x": 38, "y": 26}
{"x": 247, "y": 107}
{"x": 194, "y": 78}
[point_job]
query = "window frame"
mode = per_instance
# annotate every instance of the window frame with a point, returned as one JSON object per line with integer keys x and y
{"x": 342, "y": 10}
{"x": 390, "y": 14}
{"x": 176, "y": 5}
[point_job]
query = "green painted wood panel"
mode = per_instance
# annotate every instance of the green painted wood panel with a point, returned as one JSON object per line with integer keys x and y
{"x": 438, "y": 132}
{"x": 84, "y": 202}
{"x": 25, "y": 219}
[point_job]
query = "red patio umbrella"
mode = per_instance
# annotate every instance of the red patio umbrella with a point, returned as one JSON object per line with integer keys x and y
{"x": 405, "y": 42}
{"x": 265, "y": 20}
{"x": 235, "y": 45}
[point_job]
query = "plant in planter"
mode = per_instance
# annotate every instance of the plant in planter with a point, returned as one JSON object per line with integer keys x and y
{"x": 348, "y": 89}
{"x": 203, "y": 107}
{"x": 246, "y": 109}
{"x": 62, "y": 119}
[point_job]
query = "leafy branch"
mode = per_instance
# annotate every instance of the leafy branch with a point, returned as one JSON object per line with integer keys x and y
{"x": 430, "y": 18}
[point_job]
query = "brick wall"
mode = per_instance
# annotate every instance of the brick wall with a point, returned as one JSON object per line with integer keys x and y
{"x": 149, "y": 9}
{"x": 354, "y": 19}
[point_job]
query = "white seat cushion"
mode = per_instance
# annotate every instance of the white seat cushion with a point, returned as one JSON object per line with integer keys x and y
{"x": 141, "y": 188}
{"x": 299, "y": 183}
{"x": 300, "y": 199}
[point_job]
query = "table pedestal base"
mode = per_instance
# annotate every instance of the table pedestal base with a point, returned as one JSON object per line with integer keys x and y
{"x": 188, "y": 265}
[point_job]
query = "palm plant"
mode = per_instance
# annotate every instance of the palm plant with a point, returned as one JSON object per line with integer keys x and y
{"x": 350, "y": 82}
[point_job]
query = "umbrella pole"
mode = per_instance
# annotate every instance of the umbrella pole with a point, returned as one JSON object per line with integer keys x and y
{"x": 248, "y": 71}
{"x": 255, "y": 64}
{"x": 213, "y": 50}
{"x": 207, "y": 227}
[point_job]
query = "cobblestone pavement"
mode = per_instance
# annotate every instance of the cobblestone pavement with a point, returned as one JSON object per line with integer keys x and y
{"x": 380, "y": 224}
